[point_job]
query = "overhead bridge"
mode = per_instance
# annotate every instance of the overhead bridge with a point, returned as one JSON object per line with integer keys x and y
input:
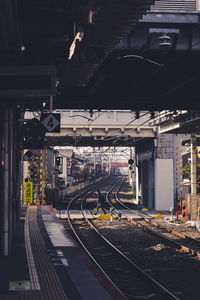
{"x": 99, "y": 135}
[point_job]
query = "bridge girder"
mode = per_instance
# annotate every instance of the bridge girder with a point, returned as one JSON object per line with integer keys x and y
{"x": 99, "y": 136}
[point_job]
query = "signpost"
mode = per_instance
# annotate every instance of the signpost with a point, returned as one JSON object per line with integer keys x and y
{"x": 28, "y": 192}
{"x": 19, "y": 285}
{"x": 51, "y": 122}
{"x": 28, "y": 156}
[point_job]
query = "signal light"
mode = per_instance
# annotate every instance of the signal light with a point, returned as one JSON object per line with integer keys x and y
{"x": 33, "y": 134}
{"x": 131, "y": 161}
{"x": 58, "y": 161}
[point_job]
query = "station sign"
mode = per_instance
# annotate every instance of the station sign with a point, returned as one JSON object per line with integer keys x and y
{"x": 20, "y": 285}
{"x": 28, "y": 192}
{"x": 51, "y": 122}
{"x": 28, "y": 156}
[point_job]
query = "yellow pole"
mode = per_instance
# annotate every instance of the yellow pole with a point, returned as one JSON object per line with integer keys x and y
{"x": 41, "y": 174}
{"x": 181, "y": 170}
{"x": 46, "y": 169}
{"x": 176, "y": 171}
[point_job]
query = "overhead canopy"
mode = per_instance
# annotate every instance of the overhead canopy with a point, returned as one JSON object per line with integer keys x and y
{"x": 39, "y": 32}
{"x": 186, "y": 123}
{"x": 80, "y": 38}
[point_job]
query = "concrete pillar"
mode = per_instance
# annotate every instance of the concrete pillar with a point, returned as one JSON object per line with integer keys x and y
{"x": 10, "y": 174}
{"x": 145, "y": 183}
{"x": 193, "y": 165}
{"x": 151, "y": 183}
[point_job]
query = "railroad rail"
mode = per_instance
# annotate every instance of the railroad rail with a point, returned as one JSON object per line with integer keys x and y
{"x": 175, "y": 238}
{"x": 131, "y": 281}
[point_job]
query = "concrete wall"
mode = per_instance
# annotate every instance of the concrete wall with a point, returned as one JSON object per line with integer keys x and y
{"x": 75, "y": 188}
{"x": 155, "y": 174}
{"x": 164, "y": 198}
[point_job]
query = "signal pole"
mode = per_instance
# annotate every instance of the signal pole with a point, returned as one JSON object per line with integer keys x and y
{"x": 193, "y": 165}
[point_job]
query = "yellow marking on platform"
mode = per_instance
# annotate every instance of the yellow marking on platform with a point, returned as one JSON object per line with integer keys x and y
{"x": 106, "y": 217}
{"x": 145, "y": 209}
{"x": 159, "y": 216}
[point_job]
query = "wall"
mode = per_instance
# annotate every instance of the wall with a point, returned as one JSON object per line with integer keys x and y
{"x": 164, "y": 198}
{"x": 74, "y": 188}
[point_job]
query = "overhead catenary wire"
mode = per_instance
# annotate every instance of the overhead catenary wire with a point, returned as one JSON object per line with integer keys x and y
{"x": 111, "y": 134}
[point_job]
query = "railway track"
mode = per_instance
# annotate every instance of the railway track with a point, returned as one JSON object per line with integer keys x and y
{"x": 175, "y": 238}
{"x": 123, "y": 273}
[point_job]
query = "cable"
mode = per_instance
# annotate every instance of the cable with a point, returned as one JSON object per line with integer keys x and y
{"x": 106, "y": 138}
{"x": 142, "y": 58}
{"x": 89, "y": 119}
{"x": 97, "y": 117}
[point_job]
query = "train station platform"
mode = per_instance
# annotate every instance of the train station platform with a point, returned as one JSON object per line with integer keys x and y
{"x": 47, "y": 264}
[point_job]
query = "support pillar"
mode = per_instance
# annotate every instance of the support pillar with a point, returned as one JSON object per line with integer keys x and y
{"x": 5, "y": 205}
{"x": 10, "y": 175}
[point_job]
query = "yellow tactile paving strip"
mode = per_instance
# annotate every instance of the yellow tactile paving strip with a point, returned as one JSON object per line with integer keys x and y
{"x": 46, "y": 277}
{"x": 51, "y": 288}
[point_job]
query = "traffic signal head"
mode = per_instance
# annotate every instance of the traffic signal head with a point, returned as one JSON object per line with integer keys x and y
{"x": 131, "y": 161}
{"x": 58, "y": 161}
{"x": 33, "y": 134}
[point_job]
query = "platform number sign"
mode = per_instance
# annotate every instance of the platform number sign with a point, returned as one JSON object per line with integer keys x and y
{"x": 51, "y": 122}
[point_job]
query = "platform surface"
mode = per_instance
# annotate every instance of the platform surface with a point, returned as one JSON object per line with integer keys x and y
{"x": 47, "y": 264}
{"x": 73, "y": 261}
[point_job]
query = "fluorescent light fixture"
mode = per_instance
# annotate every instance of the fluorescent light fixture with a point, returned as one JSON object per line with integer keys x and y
{"x": 79, "y": 37}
